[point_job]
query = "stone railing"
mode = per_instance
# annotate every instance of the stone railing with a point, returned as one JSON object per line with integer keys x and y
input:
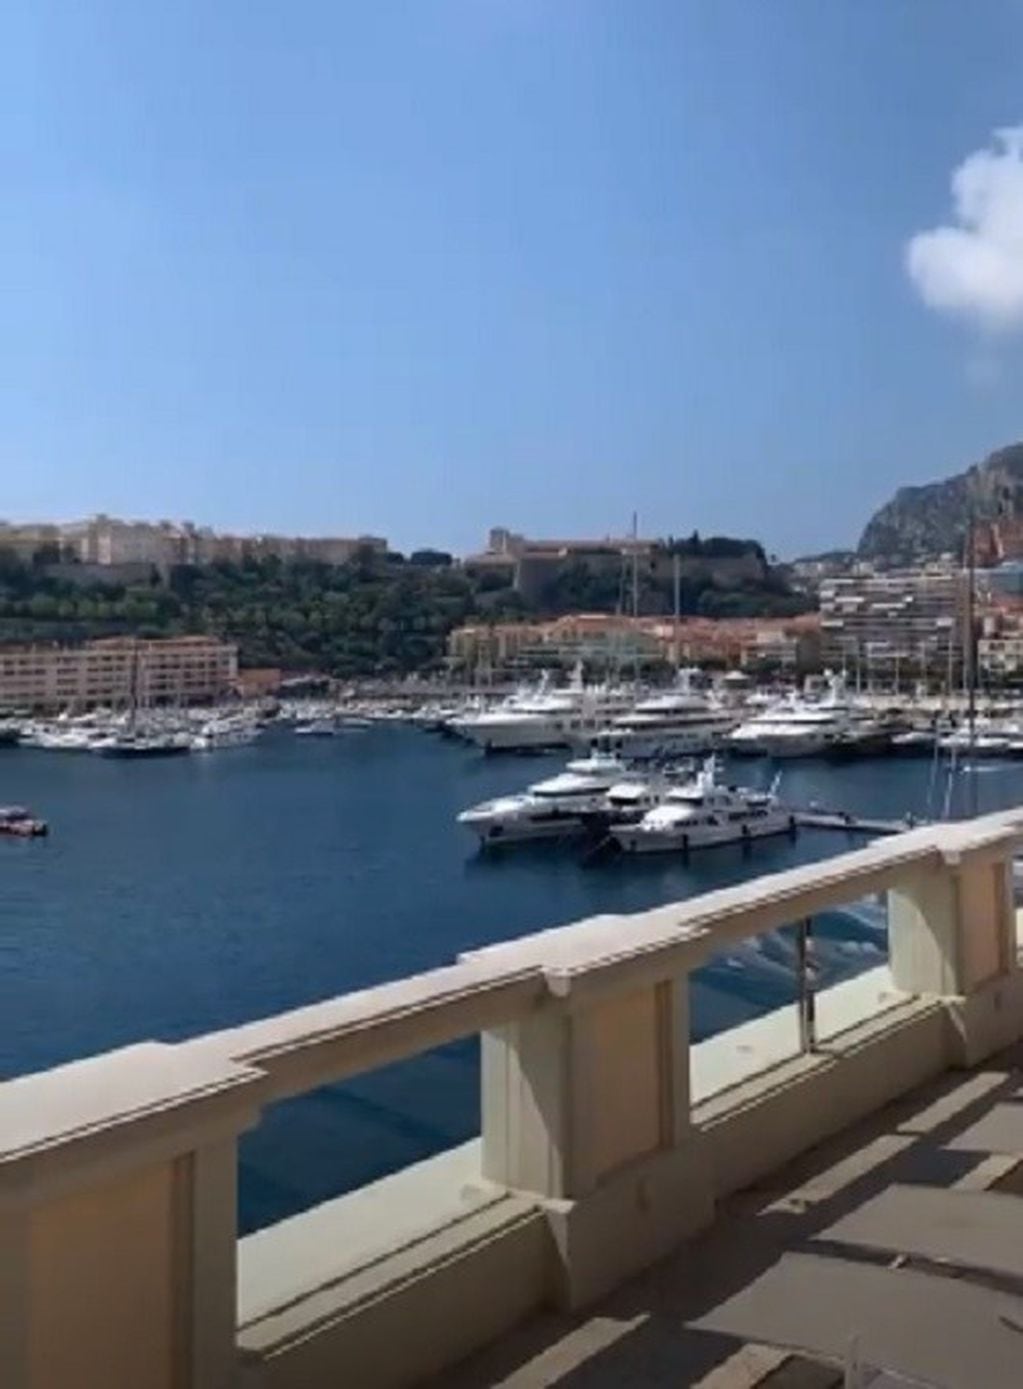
{"x": 606, "y": 1136}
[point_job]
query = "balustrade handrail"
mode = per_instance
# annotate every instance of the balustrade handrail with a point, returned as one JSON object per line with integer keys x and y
{"x": 358, "y": 1032}
{"x": 681, "y": 934}
{"x": 325, "y": 1042}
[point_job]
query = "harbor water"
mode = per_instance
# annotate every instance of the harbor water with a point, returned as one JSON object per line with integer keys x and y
{"x": 182, "y": 895}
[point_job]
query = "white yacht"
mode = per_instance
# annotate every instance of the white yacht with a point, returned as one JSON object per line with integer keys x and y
{"x": 798, "y": 727}
{"x": 793, "y": 728}
{"x": 224, "y": 733}
{"x": 547, "y": 718}
{"x": 988, "y": 740}
{"x": 596, "y": 762}
{"x": 316, "y": 728}
{"x": 134, "y": 743}
{"x": 55, "y": 738}
{"x": 627, "y": 801}
{"x": 558, "y": 806}
{"x": 703, "y": 813}
{"x": 676, "y": 723}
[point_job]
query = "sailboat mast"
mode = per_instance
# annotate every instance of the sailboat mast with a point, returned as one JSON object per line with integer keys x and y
{"x": 635, "y": 596}
{"x": 134, "y": 709}
{"x": 971, "y": 654}
{"x": 635, "y": 564}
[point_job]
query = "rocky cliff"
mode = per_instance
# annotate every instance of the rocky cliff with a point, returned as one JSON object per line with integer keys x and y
{"x": 929, "y": 520}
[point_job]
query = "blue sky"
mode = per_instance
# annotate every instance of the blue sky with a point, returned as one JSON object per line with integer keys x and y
{"x": 421, "y": 268}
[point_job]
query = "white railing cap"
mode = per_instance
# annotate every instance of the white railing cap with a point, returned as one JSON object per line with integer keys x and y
{"x": 115, "y": 1104}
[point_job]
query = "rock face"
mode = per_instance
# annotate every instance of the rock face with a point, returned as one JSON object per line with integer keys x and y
{"x": 920, "y": 522}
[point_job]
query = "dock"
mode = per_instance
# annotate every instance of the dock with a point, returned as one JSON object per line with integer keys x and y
{"x": 852, "y": 824}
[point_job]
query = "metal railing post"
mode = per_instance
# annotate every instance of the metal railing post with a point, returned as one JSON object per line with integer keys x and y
{"x": 806, "y": 1000}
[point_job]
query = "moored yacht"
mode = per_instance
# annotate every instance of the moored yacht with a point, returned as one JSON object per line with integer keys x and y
{"x": 547, "y": 718}
{"x": 225, "y": 733}
{"x": 552, "y": 808}
{"x": 628, "y": 800}
{"x": 986, "y": 740}
{"x": 703, "y": 813}
{"x": 61, "y": 738}
{"x": 596, "y": 762}
{"x": 135, "y": 743}
{"x": 316, "y": 728}
{"x": 798, "y": 727}
{"x": 676, "y": 723}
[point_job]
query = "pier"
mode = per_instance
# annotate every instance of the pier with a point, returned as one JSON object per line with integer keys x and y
{"x": 811, "y": 819}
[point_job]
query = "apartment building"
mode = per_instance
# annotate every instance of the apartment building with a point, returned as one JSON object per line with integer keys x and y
{"x": 1000, "y": 643}
{"x": 116, "y": 672}
{"x": 912, "y": 617}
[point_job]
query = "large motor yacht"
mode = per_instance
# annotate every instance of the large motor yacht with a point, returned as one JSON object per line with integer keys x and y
{"x": 793, "y": 728}
{"x": 703, "y": 813}
{"x": 560, "y": 805}
{"x": 798, "y": 727}
{"x": 545, "y": 718}
{"x": 676, "y": 723}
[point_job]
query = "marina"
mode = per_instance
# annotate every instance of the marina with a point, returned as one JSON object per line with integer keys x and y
{"x": 184, "y": 894}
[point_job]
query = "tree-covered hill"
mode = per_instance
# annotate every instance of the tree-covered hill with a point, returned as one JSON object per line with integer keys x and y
{"x": 370, "y": 616}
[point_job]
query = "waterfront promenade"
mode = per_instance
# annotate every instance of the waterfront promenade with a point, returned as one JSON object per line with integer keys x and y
{"x": 609, "y": 1144}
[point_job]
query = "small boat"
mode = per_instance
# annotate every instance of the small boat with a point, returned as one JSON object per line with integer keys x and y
{"x": 985, "y": 742}
{"x": 915, "y": 742}
{"x": 598, "y": 762}
{"x": 224, "y": 734}
{"x": 55, "y": 738}
{"x": 20, "y": 823}
{"x": 316, "y": 728}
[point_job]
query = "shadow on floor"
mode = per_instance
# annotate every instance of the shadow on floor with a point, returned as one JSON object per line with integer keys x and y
{"x": 642, "y": 1334}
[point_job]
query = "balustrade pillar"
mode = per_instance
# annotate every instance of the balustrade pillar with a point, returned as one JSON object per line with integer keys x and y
{"x": 952, "y": 934}
{"x": 117, "y": 1221}
{"x": 586, "y": 1105}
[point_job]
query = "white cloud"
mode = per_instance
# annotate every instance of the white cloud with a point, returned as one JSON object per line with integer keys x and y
{"x": 974, "y": 268}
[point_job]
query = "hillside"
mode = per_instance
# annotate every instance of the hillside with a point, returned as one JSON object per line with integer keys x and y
{"x": 371, "y": 616}
{"x": 929, "y": 520}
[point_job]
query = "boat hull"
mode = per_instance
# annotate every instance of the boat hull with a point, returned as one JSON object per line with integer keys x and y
{"x": 783, "y": 749}
{"x": 635, "y": 839}
{"x": 128, "y": 753}
{"x": 521, "y": 832}
{"x": 513, "y": 736}
{"x": 662, "y": 745}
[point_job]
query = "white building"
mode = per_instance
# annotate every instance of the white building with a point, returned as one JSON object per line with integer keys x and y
{"x": 914, "y": 618}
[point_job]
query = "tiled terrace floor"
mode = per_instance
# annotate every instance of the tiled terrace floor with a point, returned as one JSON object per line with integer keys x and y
{"x": 684, "y": 1323}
